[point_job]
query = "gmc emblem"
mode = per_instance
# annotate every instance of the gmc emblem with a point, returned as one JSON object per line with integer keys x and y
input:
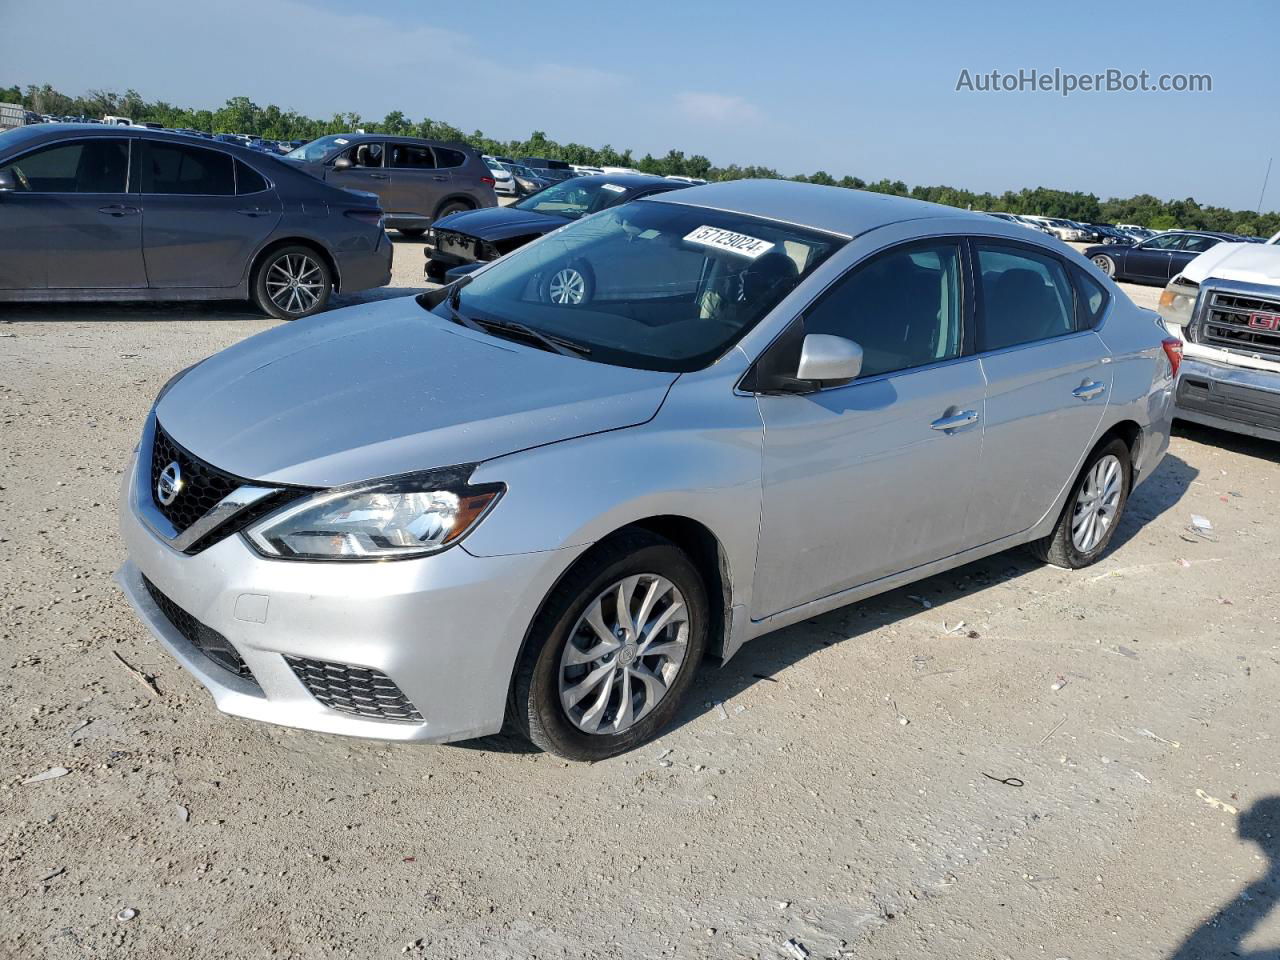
{"x": 1264, "y": 321}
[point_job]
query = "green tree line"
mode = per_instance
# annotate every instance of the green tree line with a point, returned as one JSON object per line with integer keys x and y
{"x": 242, "y": 115}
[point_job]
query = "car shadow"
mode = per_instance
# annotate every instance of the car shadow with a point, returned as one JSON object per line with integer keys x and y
{"x": 761, "y": 659}
{"x": 1224, "y": 933}
{"x": 1233, "y": 442}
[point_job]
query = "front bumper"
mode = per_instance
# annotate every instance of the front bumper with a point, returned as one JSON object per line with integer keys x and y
{"x": 1238, "y": 399}
{"x": 445, "y": 629}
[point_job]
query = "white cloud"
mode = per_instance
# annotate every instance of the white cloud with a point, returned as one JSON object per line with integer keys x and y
{"x": 716, "y": 108}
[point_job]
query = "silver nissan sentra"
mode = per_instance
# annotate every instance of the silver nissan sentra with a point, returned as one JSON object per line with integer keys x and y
{"x": 542, "y": 495}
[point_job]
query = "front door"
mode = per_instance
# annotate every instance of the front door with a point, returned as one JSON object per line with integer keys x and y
{"x": 197, "y": 231}
{"x": 70, "y": 222}
{"x": 874, "y": 477}
{"x": 366, "y": 172}
{"x": 1048, "y": 384}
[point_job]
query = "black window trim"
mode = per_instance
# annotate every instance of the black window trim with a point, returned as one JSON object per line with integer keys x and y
{"x": 977, "y": 240}
{"x": 234, "y": 187}
{"x": 62, "y": 142}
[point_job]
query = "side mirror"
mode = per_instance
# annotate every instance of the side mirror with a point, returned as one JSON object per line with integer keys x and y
{"x": 343, "y": 163}
{"x": 829, "y": 361}
{"x": 7, "y": 182}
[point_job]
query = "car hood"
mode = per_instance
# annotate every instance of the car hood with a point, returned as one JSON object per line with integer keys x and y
{"x": 388, "y": 388}
{"x": 1243, "y": 262}
{"x": 499, "y": 223}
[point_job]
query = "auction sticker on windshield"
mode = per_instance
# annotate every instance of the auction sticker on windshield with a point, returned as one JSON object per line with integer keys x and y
{"x": 614, "y": 187}
{"x": 729, "y": 241}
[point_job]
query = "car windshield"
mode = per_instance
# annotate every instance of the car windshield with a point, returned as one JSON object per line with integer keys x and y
{"x": 318, "y": 150}
{"x": 574, "y": 198}
{"x": 658, "y": 286}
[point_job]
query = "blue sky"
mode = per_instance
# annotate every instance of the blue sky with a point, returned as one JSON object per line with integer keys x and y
{"x": 852, "y": 88}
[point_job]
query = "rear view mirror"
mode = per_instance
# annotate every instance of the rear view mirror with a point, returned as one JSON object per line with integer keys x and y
{"x": 343, "y": 163}
{"x": 829, "y": 361}
{"x": 7, "y": 182}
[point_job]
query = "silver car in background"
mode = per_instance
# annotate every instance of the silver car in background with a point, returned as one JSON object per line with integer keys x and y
{"x": 422, "y": 519}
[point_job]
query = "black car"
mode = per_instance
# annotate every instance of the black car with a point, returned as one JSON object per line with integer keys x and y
{"x": 98, "y": 212}
{"x": 1157, "y": 260}
{"x": 482, "y": 235}
{"x": 1106, "y": 233}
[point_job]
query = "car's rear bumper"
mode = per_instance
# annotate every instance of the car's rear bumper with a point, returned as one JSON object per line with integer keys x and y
{"x": 445, "y": 630}
{"x": 1238, "y": 399}
{"x": 364, "y": 269}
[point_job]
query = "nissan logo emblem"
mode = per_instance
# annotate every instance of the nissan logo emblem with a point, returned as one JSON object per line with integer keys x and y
{"x": 169, "y": 485}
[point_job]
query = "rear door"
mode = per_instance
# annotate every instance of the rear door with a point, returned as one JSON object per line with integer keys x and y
{"x": 197, "y": 230}
{"x": 1048, "y": 381}
{"x": 417, "y": 185}
{"x": 71, "y": 223}
{"x": 1192, "y": 246}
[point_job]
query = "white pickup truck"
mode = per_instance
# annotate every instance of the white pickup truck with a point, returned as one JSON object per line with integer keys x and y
{"x": 1225, "y": 307}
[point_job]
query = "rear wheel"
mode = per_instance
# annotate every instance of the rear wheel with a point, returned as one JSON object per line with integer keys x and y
{"x": 292, "y": 282}
{"x": 1093, "y": 510}
{"x": 453, "y": 206}
{"x": 415, "y": 233}
{"x": 614, "y": 651}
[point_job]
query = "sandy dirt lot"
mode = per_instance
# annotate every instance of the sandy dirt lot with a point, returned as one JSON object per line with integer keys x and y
{"x": 835, "y": 791}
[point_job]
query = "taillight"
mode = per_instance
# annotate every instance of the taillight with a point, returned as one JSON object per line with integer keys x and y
{"x": 1172, "y": 350}
{"x": 488, "y": 181}
{"x": 372, "y": 217}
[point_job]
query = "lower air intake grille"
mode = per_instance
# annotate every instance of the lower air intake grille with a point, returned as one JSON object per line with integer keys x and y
{"x": 355, "y": 690}
{"x": 205, "y": 639}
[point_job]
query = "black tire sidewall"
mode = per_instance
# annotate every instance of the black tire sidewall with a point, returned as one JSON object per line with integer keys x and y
{"x": 536, "y": 693}
{"x": 411, "y": 233}
{"x": 450, "y": 208}
{"x": 1120, "y": 450}
{"x": 263, "y": 300}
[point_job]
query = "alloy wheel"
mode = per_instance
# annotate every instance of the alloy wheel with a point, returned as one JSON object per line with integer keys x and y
{"x": 295, "y": 283}
{"x": 1106, "y": 265}
{"x": 624, "y": 653}
{"x": 1097, "y": 504}
{"x": 567, "y": 286}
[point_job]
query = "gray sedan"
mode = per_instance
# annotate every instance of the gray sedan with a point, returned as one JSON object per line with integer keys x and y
{"x": 94, "y": 212}
{"x": 426, "y": 518}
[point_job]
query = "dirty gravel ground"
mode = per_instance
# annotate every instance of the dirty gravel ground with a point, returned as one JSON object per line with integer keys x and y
{"x": 838, "y": 801}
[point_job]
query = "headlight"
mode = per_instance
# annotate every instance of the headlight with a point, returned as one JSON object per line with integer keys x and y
{"x": 394, "y": 519}
{"x": 1178, "y": 304}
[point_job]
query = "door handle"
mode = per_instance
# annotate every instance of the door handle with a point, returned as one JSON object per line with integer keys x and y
{"x": 1089, "y": 390}
{"x": 251, "y": 212}
{"x": 377, "y": 176}
{"x": 119, "y": 210}
{"x": 440, "y": 179}
{"x": 955, "y": 420}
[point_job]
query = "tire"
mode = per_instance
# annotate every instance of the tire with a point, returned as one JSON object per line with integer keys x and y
{"x": 274, "y": 276}
{"x": 1070, "y": 548}
{"x": 415, "y": 233}
{"x": 435, "y": 271}
{"x": 570, "y": 284}
{"x": 1105, "y": 264}
{"x": 549, "y": 675}
{"x": 453, "y": 206}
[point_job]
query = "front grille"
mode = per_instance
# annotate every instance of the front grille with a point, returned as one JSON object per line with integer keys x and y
{"x": 203, "y": 485}
{"x": 355, "y": 690}
{"x": 1231, "y": 322}
{"x": 205, "y": 639}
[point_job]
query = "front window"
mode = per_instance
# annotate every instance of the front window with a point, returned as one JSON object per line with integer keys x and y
{"x": 83, "y": 166}
{"x": 320, "y": 149}
{"x": 1165, "y": 241}
{"x": 659, "y": 286}
{"x": 573, "y": 198}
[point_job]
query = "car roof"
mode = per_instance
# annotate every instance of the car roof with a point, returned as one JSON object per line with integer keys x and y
{"x": 631, "y": 181}
{"x": 837, "y": 210}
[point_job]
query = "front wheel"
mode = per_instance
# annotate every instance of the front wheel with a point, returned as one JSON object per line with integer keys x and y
{"x": 1093, "y": 511}
{"x": 292, "y": 282}
{"x": 1105, "y": 264}
{"x": 614, "y": 651}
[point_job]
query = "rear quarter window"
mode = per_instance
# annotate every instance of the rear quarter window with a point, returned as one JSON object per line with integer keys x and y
{"x": 248, "y": 180}
{"x": 449, "y": 158}
{"x": 1091, "y": 300}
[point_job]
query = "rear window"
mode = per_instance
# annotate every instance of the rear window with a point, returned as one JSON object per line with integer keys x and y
{"x": 248, "y": 180}
{"x": 190, "y": 171}
{"x": 1026, "y": 297}
{"x": 413, "y": 156}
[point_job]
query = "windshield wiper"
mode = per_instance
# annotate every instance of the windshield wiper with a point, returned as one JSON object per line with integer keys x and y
{"x": 451, "y": 296}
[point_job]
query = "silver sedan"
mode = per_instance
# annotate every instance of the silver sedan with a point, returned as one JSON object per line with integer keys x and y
{"x": 543, "y": 495}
